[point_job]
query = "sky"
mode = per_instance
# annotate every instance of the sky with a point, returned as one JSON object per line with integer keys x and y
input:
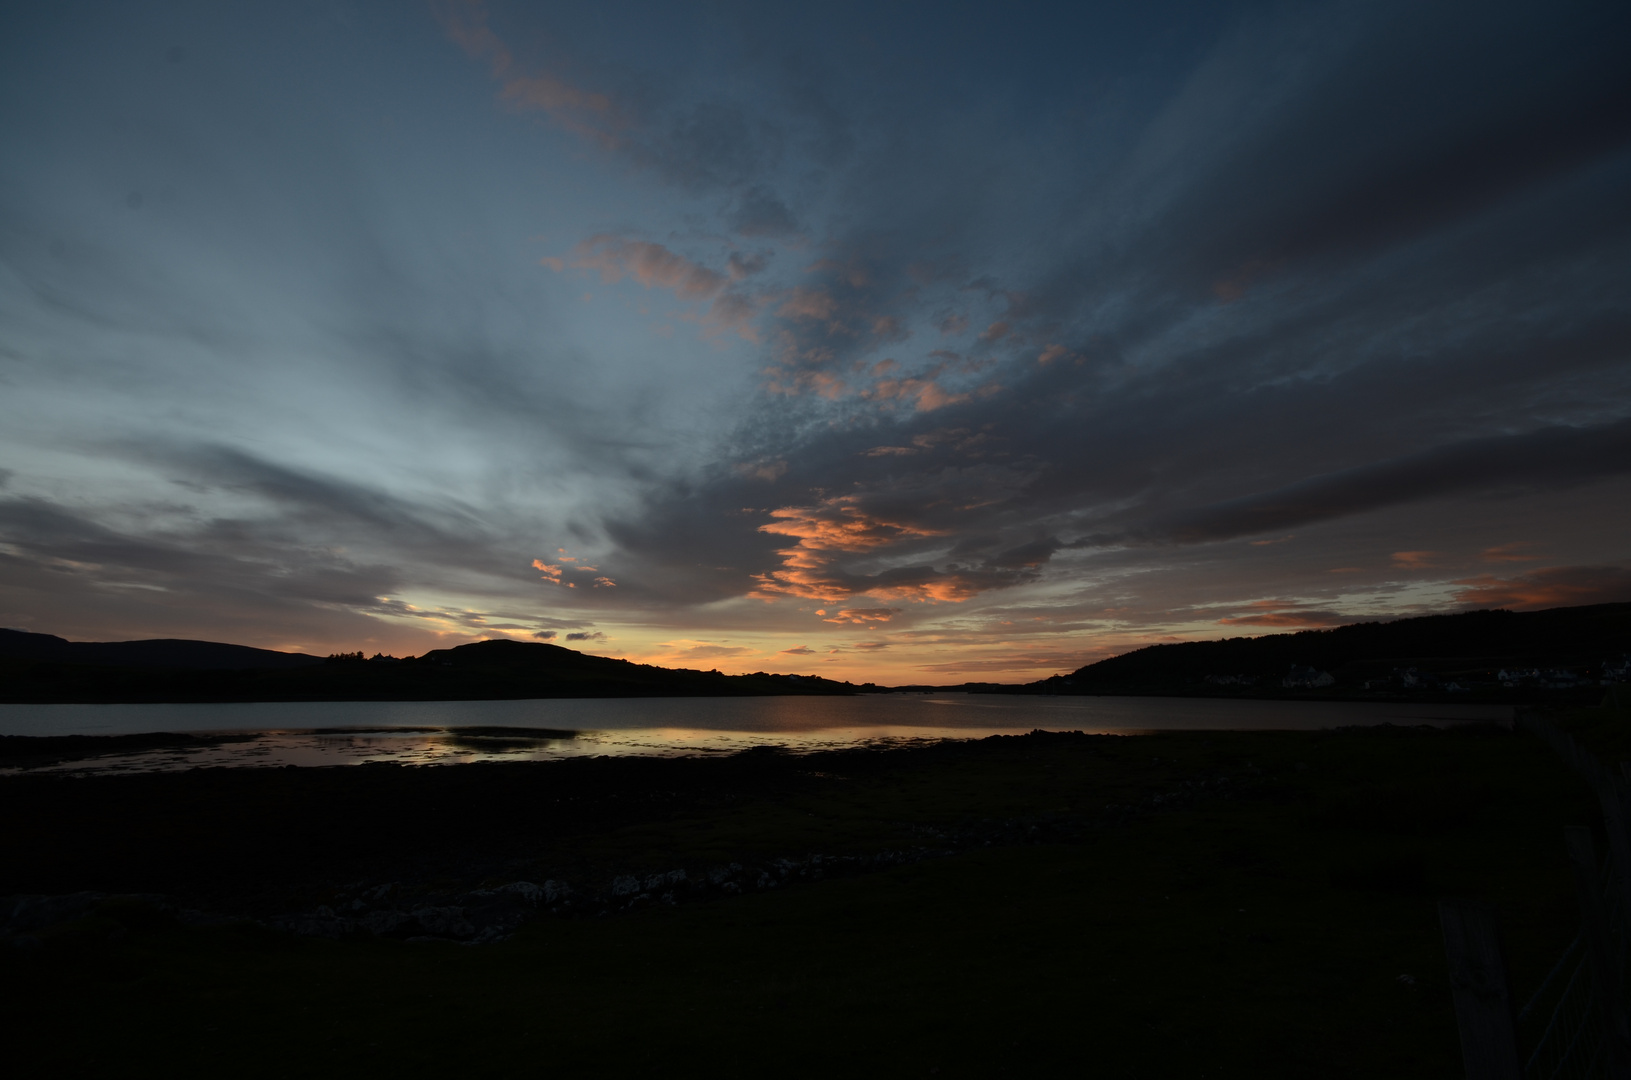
{"x": 889, "y": 342}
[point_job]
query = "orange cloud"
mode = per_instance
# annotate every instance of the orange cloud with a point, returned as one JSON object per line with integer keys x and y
{"x": 1052, "y": 353}
{"x": 862, "y": 616}
{"x": 551, "y": 573}
{"x": 837, "y": 525}
{"x": 1555, "y": 586}
{"x": 1414, "y": 560}
{"x": 995, "y": 332}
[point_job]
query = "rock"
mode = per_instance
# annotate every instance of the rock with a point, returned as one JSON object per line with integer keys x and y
{"x": 444, "y": 922}
{"x": 383, "y": 922}
{"x": 25, "y": 913}
{"x": 659, "y": 881}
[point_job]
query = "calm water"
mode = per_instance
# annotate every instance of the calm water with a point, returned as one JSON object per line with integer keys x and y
{"x": 429, "y": 732}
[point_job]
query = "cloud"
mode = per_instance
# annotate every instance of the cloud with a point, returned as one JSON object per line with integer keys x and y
{"x": 682, "y": 652}
{"x": 582, "y": 112}
{"x": 760, "y": 213}
{"x": 586, "y": 635}
{"x": 838, "y": 525}
{"x": 803, "y": 303}
{"x": 926, "y": 395}
{"x": 1503, "y": 553}
{"x": 1343, "y": 269}
{"x": 545, "y": 635}
{"x": 1414, "y": 560}
{"x": 1556, "y": 586}
{"x": 551, "y": 574}
{"x": 1545, "y": 457}
{"x": 764, "y": 470}
{"x": 800, "y": 650}
{"x": 1287, "y": 620}
{"x": 649, "y": 264}
{"x": 862, "y": 616}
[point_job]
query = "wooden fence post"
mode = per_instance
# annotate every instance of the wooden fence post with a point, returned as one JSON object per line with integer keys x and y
{"x": 1483, "y": 1004}
{"x": 1605, "y": 972}
{"x": 1613, "y": 793}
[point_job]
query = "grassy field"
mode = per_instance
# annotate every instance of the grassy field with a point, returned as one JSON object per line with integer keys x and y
{"x": 1243, "y": 904}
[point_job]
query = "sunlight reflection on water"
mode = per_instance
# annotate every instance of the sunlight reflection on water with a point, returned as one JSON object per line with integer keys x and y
{"x": 444, "y": 732}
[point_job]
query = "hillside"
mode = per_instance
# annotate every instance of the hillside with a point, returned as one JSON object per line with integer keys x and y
{"x": 42, "y": 671}
{"x": 1555, "y": 650}
{"x": 154, "y": 653}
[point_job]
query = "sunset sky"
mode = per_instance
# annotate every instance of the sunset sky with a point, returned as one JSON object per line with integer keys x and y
{"x": 903, "y": 343}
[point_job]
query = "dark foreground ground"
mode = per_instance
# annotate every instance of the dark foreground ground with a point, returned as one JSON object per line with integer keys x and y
{"x": 1181, "y": 905}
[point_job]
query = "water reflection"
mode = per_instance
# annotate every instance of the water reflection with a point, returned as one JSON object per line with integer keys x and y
{"x": 442, "y": 732}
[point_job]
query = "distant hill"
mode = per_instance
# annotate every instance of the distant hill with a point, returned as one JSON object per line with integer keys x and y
{"x": 1539, "y": 650}
{"x": 153, "y": 653}
{"x": 42, "y": 668}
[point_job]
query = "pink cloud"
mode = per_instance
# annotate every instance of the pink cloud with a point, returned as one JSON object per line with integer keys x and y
{"x": 652, "y": 265}
{"x": 763, "y": 470}
{"x": 925, "y": 394}
{"x": 1298, "y": 619}
{"x": 814, "y": 304}
{"x": 1508, "y": 553}
{"x": 1554, "y": 586}
{"x": 582, "y": 112}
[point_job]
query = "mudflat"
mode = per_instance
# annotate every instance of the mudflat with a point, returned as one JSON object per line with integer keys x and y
{"x": 1200, "y": 903}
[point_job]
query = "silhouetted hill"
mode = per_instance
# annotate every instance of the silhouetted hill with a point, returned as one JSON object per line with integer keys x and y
{"x": 154, "y": 653}
{"x": 1540, "y": 650}
{"x": 42, "y": 668}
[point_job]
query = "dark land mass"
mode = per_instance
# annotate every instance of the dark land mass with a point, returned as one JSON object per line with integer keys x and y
{"x": 40, "y": 668}
{"x": 1253, "y": 904}
{"x": 1556, "y": 654}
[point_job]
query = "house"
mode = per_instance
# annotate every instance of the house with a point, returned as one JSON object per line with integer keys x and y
{"x": 1306, "y": 678}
